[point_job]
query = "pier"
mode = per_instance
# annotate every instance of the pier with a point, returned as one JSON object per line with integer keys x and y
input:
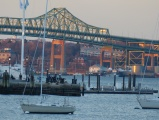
{"x": 19, "y": 87}
{"x": 119, "y": 92}
{"x": 131, "y": 89}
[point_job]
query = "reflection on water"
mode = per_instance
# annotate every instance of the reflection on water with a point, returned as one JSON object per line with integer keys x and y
{"x": 89, "y": 106}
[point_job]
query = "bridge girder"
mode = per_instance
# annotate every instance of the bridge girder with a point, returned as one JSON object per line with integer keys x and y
{"x": 62, "y": 25}
{"x": 59, "y": 22}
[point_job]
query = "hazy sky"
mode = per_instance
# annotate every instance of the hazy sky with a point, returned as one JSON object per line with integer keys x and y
{"x": 133, "y": 18}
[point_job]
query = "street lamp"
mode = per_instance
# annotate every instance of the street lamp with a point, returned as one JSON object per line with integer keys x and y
{"x": 9, "y": 65}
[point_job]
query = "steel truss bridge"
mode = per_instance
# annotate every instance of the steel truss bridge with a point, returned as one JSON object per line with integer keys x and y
{"x": 62, "y": 25}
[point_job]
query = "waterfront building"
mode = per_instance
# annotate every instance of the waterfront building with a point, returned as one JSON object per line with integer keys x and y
{"x": 78, "y": 65}
{"x": 4, "y": 55}
{"x": 90, "y": 51}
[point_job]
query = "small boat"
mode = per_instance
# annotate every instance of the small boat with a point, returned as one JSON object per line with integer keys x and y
{"x": 148, "y": 103}
{"x": 77, "y": 74}
{"x": 122, "y": 72}
{"x": 49, "y": 109}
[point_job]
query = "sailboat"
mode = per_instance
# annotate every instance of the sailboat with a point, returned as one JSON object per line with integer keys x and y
{"x": 46, "y": 108}
{"x": 148, "y": 103}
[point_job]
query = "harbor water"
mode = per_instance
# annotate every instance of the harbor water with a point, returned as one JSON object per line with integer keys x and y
{"x": 89, "y": 106}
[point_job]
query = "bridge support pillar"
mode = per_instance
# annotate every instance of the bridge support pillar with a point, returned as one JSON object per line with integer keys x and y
{"x": 106, "y": 58}
{"x": 57, "y": 57}
{"x": 152, "y": 60}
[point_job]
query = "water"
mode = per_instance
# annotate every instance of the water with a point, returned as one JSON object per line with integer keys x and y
{"x": 89, "y": 106}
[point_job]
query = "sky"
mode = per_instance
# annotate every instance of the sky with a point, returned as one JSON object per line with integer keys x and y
{"x": 129, "y": 18}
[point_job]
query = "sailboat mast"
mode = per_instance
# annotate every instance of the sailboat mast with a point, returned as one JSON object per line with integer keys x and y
{"x": 23, "y": 33}
{"x": 42, "y": 66}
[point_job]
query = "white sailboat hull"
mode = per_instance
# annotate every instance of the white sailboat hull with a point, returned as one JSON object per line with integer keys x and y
{"x": 52, "y": 109}
{"x": 149, "y": 103}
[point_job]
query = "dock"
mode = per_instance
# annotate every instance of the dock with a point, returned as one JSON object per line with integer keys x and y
{"x": 119, "y": 92}
{"x": 19, "y": 87}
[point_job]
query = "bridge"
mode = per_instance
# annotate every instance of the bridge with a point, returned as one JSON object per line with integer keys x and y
{"x": 62, "y": 25}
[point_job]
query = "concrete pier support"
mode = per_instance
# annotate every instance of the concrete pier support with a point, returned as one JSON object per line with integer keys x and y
{"x": 89, "y": 80}
{"x": 129, "y": 82}
{"x": 82, "y": 78}
{"x": 83, "y": 90}
{"x": 123, "y": 83}
{"x": 134, "y": 82}
{"x": 114, "y": 82}
{"x": 98, "y": 82}
{"x": 74, "y": 80}
{"x": 32, "y": 81}
{"x": 6, "y": 78}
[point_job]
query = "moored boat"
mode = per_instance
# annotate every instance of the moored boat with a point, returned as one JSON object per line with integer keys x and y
{"x": 49, "y": 109}
{"x": 148, "y": 103}
{"x": 122, "y": 72}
